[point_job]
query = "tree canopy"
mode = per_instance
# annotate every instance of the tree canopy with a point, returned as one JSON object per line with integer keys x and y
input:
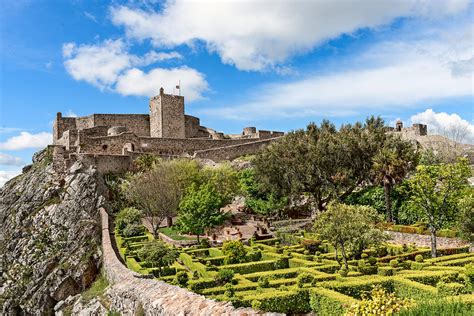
{"x": 436, "y": 191}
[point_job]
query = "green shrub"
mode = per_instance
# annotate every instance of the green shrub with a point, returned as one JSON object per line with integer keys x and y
{"x": 470, "y": 272}
{"x": 205, "y": 243}
{"x": 419, "y": 258}
{"x": 304, "y": 278}
{"x": 439, "y": 307}
{"x": 357, "y": 286}
{"x": 263, "y": 282}
{"x": 329, "y": 303}
{"x": 394, "y": 263}
{"x": 311, "y": 245}
{"x": 132, "y": 230}
{"x": 367, "y": 270}
{"x": 411, "y": 289}
{"x": 446, "y": 289}
{"x": 282, "y": 263}
{"x": 127, "y": 216}
{"x": 379, "y": 302}
{"x": 182, "y": 278}
{"x": 235, "y": 251}
{"x": 224, "y": 276}
{"x": 254, "y": 255}
{"x": 372, "y": 261}
{"x": 251, "y": 267}
{"x": 386, "y": 271}
{"x": 416, "y": 266}
{"x": 229, "y": 290}
{"x": 289, "y": 302}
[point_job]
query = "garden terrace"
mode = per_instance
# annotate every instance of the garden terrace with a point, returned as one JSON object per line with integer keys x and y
{"x": 303, "y": 277}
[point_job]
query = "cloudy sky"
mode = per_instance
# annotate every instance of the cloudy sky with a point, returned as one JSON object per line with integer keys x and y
{"x": 275, "y": 64}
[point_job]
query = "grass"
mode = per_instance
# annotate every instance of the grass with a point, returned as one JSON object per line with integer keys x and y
{"x": 97, "y": 289}
{"x": 174, "y": 234}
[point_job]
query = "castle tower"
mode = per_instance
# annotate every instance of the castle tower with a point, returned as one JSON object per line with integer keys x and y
{"x": 399, "y": 126}
{"x": 167, "y": 116}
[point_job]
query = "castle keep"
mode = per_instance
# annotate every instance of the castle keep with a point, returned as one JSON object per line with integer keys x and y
{"x": 111, "y": 141}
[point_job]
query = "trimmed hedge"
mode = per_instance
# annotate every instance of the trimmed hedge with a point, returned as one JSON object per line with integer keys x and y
{"x": 327, "y": 302}
{"x": 357, "y": 286}
{"x": 410, "y": 289}
{"x": 385, "y": 271}
{"x": 457, "y": 262}
{"x": 289, "y": 302}
{"x": 193, "y": 265}
{"x": 431, "y": 277}
{"x": 250, "y": 267}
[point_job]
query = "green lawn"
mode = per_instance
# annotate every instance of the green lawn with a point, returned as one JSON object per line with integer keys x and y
{"x": 174, "y": 234}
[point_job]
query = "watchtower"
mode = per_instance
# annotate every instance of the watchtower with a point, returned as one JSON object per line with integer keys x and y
{"x": 167, "y": 116}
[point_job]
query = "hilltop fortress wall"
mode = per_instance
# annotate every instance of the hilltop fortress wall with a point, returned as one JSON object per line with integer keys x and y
{"x": 111, "y": 141}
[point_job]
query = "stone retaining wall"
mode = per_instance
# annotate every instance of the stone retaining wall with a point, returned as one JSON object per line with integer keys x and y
{"x": 129, "y": 292}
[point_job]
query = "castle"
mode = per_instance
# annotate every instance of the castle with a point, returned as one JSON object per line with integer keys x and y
{"x": 112, "y": 141}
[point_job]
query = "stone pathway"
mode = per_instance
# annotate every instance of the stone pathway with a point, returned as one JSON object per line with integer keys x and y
{"x": 424, "y": 240}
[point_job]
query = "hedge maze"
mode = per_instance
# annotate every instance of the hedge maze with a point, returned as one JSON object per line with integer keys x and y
{"x": 304, "y": 276}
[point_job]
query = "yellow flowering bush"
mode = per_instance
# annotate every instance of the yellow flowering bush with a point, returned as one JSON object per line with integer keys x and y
{"x": 378, "y": 303}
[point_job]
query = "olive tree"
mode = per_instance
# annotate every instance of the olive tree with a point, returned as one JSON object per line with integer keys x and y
{"x": 349, "y": 227}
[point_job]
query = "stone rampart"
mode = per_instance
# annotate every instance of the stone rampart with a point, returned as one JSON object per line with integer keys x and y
{"x": 129, "y": 292}
{"x": 233, "y": 151}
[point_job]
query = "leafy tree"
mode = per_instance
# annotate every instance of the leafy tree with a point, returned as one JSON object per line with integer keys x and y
{"x": 225, "y": 179}
{"x": 465, "y": 221}
{"x": 349, "y": 227}
{"x": 235, "y": 251}
{"x": 200, "y": 209}
{"x": 127, "y": 216}
{"x": 157, "y": 254}
{"x": 436, "y": 190}
{"x": 157, "y": 192}
{"x": 321, "y": 161}
{"x": 146, "y": 162}
{"x": 392, "y": 163}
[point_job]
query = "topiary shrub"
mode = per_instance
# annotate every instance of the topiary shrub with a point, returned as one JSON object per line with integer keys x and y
{"x": 372, "y": 261}
{"x": 205, "y": 243}
{"x": 394, "y": 263}
{"x": 132, "y": 230}
{"x": 386, "y": 271}
{"x": 343, "y": 272}
{"x": 263, "y": 282}
{"x": 254, "y": 255}
{"x": 311, "y": 245}
{"x": 304, "y": 278}
{"x": 282, "y": 263}
{"x": 224, "y": 276}
{"x": 182, "y": 278}
{"x": 229, "y": 290}
{"x": 127, "y": 216}
{"x": 419, "y": 258}
{"x": 235, "y": 251}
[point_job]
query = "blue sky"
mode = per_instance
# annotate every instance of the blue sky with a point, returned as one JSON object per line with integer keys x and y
{"x": 271, "y": 64}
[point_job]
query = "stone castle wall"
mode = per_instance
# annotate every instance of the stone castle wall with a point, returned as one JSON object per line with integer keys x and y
{"x": 167, "y": 116}
{"x": 129, "y": 292}
{"x": 232, "y": 152}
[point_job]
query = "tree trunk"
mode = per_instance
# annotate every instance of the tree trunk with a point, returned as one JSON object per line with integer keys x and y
{"x": 344, "y": 256}
{"x": 197, "y": 238}
{"x": 388, "y": 200}
{"x": 337, "y": 257}
{"x": 169, "y": 221}
{"x": 433, "y": 243}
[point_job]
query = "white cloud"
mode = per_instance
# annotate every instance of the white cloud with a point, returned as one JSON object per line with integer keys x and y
{"x": 26, "y": 140}
{"x": 390, "y": 74}
{"x": 442, "y": 123}
{"x": 7, "y": 130}
{"x": 70, "y": 113}
{"x": 137, "y": 82}
{"x": 256, "y": 35}
{"x": 109, "y": 65}
{"x": 99, "y": 64}
{"x": 9, "y": 160}
{"x": 6, "y": 175}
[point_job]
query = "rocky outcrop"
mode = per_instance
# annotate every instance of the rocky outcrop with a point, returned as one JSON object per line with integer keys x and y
{"x": 49, "y": 236}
